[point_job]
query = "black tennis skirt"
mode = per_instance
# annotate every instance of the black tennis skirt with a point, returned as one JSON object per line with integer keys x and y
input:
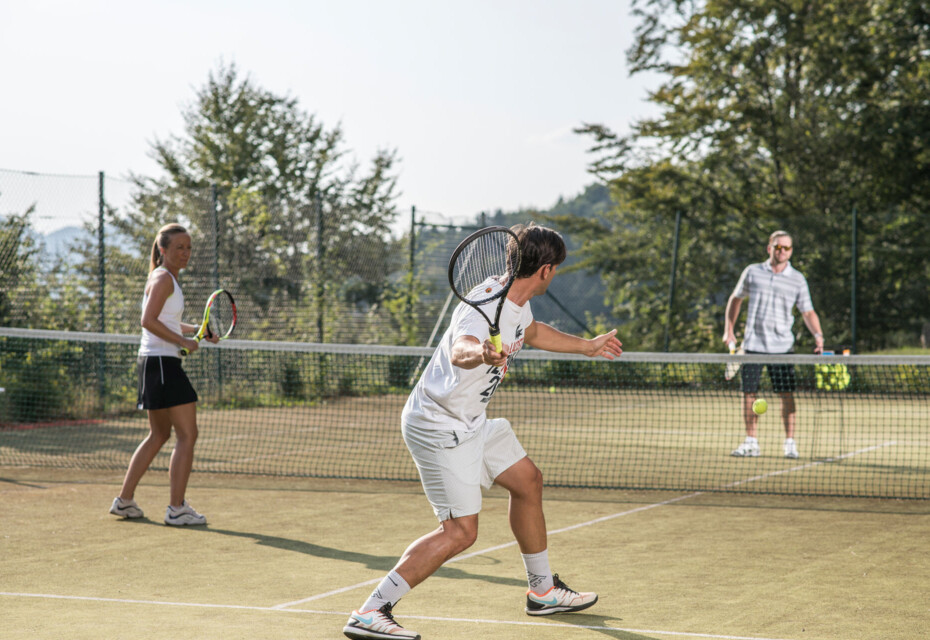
{"x": 163, "y": 383}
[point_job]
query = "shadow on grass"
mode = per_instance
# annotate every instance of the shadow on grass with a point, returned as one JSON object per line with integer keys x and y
{"x": 606, "y": 625}
{"x": 369, "y": 561}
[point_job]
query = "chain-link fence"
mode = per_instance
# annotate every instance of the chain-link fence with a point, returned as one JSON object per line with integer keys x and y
{"x": 74, "y": 254}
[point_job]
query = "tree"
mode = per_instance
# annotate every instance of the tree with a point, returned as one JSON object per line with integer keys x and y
{"x": 774, "y": 115}
{"x": 18, "y": 266}
{"x": 278, "y": 212}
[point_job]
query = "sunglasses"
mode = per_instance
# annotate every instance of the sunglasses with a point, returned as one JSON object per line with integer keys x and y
{"x": 781, "y": 247}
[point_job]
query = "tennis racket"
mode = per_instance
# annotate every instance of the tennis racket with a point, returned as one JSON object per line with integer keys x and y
{"x": 490, "y": 254}
{"x": 733, "y": 367}
{"x": 219, "y": 317}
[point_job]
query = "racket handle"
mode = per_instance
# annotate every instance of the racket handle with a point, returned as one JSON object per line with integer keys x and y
{"x": 185, "y": 351}
{"x": 496, "y": 340}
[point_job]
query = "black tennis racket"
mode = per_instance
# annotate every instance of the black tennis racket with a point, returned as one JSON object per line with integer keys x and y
{"x": 490, "y": 253}
{"x": 219, "y": 317}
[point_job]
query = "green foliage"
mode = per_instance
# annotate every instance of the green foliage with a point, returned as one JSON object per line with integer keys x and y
{"x": 277, "y": 213}
{"x": 774, "y": 115}
{"x": 51, "y": 368}
{"x": 18, "y": 253}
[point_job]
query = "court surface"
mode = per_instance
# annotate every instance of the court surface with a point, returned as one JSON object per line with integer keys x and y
{"x": 290, "y": 558}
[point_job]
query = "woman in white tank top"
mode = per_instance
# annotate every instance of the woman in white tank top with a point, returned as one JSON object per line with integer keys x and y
{"x": 164, "y": 389}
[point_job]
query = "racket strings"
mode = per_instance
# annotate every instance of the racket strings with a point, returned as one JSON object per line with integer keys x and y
{"x": 222, "y": 315}
{"x": 487, "y": 256}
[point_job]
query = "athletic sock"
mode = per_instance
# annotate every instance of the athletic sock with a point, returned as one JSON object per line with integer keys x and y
{"x": 391, "y": 589}
{"x": 538, "y": 573}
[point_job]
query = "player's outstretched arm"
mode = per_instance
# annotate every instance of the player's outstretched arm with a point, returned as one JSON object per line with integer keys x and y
{"x": 542, "y": 336}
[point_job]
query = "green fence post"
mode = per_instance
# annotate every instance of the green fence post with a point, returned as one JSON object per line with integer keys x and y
{"x": 671, "y": 283}
{"x": 854, "y": 275}
{"x": 101, "y": 302}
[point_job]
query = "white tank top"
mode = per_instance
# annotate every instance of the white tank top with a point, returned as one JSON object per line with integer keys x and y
{"x": 170, "y": 316}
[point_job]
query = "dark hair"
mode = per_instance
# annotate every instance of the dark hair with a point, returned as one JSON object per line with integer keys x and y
{"x": 163, "y": 240}
{"x": 539, "y": 246}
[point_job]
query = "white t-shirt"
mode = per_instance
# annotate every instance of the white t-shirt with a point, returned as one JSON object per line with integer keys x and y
{"x": 449, "y": 397}
{"x": 170, "y": 316}
{"x": 769, "y": 319}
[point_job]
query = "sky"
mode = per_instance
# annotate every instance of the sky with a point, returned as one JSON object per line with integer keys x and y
{"x": 478, "y": 98}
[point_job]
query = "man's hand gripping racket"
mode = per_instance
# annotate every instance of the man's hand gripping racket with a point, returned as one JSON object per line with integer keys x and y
{"x": 219, "y": 318}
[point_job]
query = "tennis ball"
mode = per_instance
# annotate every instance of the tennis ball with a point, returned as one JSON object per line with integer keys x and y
{"x": 551, "y": 389}
{"x": 760, "y": 406}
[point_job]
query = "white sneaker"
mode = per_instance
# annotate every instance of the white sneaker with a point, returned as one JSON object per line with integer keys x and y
{"x": 183, "y": 515}
{"x": 749, "y": 449}
{"x": 791, "y": 449}
{"x": 377, "y": 623}
{"x": 559, "y": 599}
{"x": 125, "y": 508}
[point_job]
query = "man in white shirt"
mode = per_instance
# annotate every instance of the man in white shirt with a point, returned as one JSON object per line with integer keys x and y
{"x": 457, "y": 449}
{"x": 774, "y": 288}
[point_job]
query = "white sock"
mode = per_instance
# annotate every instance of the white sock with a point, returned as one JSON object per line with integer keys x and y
{"x": 538, "y": 573}
{"x": 391, "y": 589}
{"x": 751, "y": 440}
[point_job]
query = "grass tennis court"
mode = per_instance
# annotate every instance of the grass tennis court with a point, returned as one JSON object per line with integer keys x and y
{"x": 291, "y": 557}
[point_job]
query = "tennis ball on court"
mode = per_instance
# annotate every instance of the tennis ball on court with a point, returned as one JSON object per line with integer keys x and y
{"x": 760, "y": 406}
{"x": 552, "y": 389}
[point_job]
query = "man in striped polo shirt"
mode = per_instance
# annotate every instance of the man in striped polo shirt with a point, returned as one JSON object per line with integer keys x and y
{"x": 774, "y": 288}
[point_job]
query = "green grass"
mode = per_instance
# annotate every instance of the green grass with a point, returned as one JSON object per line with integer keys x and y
{"x": 708, "y": 565}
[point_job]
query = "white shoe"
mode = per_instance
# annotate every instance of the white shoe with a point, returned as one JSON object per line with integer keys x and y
{"x": 749, "y": 449}
{"x": 183, "y": 515}
{"x": 125, "y": 508}
{"x": 791, "y": 449}
{"x": 377, "y": 623}
{"x": 559, "y": 599}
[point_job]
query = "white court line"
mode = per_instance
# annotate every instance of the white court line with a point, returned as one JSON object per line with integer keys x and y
{"x": 505, "y": 545}
{"x": 559, "y": 625}
{"x": 811, "y": 465}
{"x": 366, "y": 583}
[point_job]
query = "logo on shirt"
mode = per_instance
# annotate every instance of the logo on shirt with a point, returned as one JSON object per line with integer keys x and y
{"x": 497, "y": 373}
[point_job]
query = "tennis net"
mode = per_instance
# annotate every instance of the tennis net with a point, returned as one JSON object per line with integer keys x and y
{"x": 645, "y": 421}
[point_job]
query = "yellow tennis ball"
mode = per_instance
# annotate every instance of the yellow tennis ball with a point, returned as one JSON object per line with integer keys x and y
{"x": 551, "y": 389}
{"x": 760, "y": 406}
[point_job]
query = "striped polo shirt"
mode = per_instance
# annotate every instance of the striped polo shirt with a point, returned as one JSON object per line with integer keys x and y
{"x": 772, "y": 296}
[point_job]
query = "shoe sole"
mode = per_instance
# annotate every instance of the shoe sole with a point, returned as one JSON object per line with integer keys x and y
{"x": 551, "y": 610}
{"x": 127, "y": 514}
{"x": 357, "y": 633}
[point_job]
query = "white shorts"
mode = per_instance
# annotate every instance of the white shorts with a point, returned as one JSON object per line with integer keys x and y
{"x": 454, "y": 465}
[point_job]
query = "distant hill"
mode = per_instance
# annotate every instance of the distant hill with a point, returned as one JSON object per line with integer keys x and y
{"x": 572, "y": 295}
{"x": 55, "y": 244}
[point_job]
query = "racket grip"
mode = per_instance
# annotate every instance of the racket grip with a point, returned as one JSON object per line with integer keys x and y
{"x": 496, "y": 341}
